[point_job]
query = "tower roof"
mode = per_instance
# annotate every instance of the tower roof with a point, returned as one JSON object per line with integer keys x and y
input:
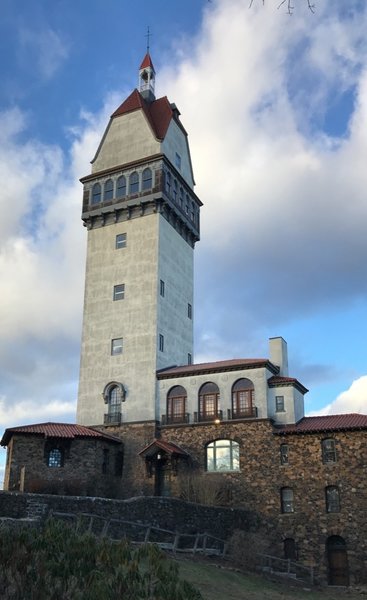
{"x": 147, "y": 62}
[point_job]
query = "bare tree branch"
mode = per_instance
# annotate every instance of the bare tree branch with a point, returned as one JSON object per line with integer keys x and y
{"x": 289, "y": 5}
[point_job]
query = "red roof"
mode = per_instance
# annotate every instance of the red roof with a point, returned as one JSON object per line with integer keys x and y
{"x": 278, "y": 380}
{"x": 326, "y": 423}
{"x": 59, "y": 430}
{"x": 157, "y": 445}
{"x": 234, "y": 364}
{"x": 159, "y": 112}
{"x": 146, "y": 62}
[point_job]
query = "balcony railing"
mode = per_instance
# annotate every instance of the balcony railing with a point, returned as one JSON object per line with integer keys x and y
{"x": 247, "y": 413}
{"x": 112, "y": 418}
{"x": 208, "y": 417}
{"x": 175, "y": 419}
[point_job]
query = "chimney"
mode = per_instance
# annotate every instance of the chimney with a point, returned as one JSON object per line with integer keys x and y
{"x": 279, "y": 354}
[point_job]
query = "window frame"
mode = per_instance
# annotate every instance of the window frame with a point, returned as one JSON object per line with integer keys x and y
{"x": 287, "y": 500}
{"x": 279, "y": 404}
{"x": 214, "y": 448}
{"x": 118, "y": 292}
{"x": 121, "y": 241}
{"x": 284, "y": 454}
{"x": 96, "y": 195}
{"x": 332, "y": 499}
{"x": 119, "y": 187}
{"x": 117, "y": 343}
{"x": 161, "y": 342}
{"x": 209, "y": 401}
{"x": 162, "y": 288}
{"x": 52, "y": 462}
{"x": 108, "y": 192}
{"x": 329, "y": 455}
{"x": 243, "y": 398}
{"x": 189, "y": 310}
{"x": 176, "y": 404}
{"x": 134, "y": 183}
{"x": 147, "y": 182}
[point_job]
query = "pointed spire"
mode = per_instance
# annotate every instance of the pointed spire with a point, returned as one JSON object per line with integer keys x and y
{"x": 147, "y": 74}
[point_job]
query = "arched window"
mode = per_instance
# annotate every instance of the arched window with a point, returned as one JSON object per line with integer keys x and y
{"x": 286, "y": 500}
{"x": 332, "y": 499}
{"x": 176, "y": 405}
{"x": 328, "y": 450}
{"x": 108, "y": 190}
{"x": 147, "y": 179}
{"x": 223, "y": 455}
{"x": 243, "y": 399}
{"x": 121, "y": 187}
{"x": 209, "y": 402}
{"x": 168, "y": 183}
{"x": 114, "y": 395}
{"x": 55, "y": 458}
{"x": 134, "y": 183}
{"x": 96, "y": 193}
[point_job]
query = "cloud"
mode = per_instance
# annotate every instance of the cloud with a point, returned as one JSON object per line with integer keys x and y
{"x": 45, "y": 47}
{"x": 353, "y": 400}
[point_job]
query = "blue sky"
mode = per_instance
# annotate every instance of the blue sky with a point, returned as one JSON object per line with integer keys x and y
{"x": 276, "y": 110}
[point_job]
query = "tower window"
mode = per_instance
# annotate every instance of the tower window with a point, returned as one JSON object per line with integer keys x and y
{"x": 284, "y": 454}
{"x": 181, "y": 197}
{"x": 328, "y": 451}
{"x": 189, "y": 359}
{"x": 286, "y": 499}
{"x": 189, "y": 311}
{"x": 168, "y": 183}
{"x": 161, "y": 288}
{"x": 108, "y": 190}
{"x": 134, "y": 183}
{"x": 121, "y": 241}
{"x": 116, "y": 346}
{"x": 96, "y": 193}
{"x": 161, "y": 342}
{"x": 114, "y": 406}
{"x": 121, "y": 187}
{"x": 55, "y": 458}
{"x": 332, "y": 499}
{"x": 147, "y": 179}
{"x": 119, "y": 292}
{"x": 175, "y": 190}
{"x": 279, "y": 403}
{"x": 178, "y": 161}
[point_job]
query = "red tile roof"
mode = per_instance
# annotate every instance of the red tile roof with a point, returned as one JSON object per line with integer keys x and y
{"x": 146, "y": 62}
{"x": 326, "y": 423}
{"x": 59, "y": 430}
{"x": 157, "y": 445}
{"x": 234, "y": 364}
{"x": 279, "y": 380}
{"x": 158, "y": 113}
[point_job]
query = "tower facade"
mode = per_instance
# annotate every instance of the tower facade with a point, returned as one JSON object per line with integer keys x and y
{"x": 142, "y": 217}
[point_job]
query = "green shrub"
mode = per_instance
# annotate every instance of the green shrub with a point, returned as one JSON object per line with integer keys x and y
{"x": 58, "y": 563}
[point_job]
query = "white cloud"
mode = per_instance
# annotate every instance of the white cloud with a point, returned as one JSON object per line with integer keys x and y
{"x": 46, "y": 47}
{"x": 30, "y": 411}
{"x": 353, "y": 400}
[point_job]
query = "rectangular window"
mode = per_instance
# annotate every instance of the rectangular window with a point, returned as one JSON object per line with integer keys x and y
{"x": 279, "y": 403}
{"x": 189, "y": 359}
{"x": 116, "y": 346}
{"x": 178, "y": 161}
{"x": 121, "y": 241}
{"x": 161, "y": 288}
{"x": 286, "y": 495}
{"x": 284, "y": 454}
{"x": 189, "y": 311}
{"x": 119, "y": 291}
{"x": 161, "y": 342}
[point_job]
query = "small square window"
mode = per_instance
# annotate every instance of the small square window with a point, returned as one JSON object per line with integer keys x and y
{"x": 189, "y": 311}
{"x": 279, "y": 404}
{"x": 161, "y": 288}
{"x": 116, "y": 346}
{"x": 120, "y": 241}
{"x": 189, "y": 359}
{"x": 178, "y": 161}
{"x": 119, "y": 292}
{"x": 161, "y": 342}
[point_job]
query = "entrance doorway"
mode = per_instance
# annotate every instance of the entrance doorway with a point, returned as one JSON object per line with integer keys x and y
{"x": 290, "y": 549}
{"x": 338, "y": 571}
{"x": 162, "y": 483}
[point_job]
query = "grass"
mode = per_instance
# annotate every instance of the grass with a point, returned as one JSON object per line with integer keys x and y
{"x": 216, "y": 583}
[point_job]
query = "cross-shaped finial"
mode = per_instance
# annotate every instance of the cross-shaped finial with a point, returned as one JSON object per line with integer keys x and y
{"x": 147, "y": 35}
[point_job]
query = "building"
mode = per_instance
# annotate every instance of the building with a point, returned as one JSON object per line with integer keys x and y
{"x": 150, "y": 421}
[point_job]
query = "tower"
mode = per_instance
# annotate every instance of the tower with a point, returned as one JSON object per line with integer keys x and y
{"x": 142, "y": 217}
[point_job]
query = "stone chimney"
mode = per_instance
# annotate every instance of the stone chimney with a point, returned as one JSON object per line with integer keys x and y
{"x": 278, "y": 353}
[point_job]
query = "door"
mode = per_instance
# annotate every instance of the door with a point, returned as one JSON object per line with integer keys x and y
{"x": 337, "y": 561}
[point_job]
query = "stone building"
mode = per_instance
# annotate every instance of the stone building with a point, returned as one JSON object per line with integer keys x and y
{"x": 231, "y": 432}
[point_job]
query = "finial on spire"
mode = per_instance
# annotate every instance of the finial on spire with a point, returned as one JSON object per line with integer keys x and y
{"x": 148, "y": 35}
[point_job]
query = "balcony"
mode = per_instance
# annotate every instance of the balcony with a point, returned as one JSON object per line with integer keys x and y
{"x": 247, "y": 413}
{"x": 112, "y": 418}
{"x": 175, "y": 419}
{"x": 208, "y": 417}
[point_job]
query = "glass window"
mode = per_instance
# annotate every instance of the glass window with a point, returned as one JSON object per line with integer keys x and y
{"x": 223, "y": 455}
{"x": 114, "y": 402}
{"x": 181, "y": 197}
{"x": 134, "y": 183}
{"x": 284, "y": 454}
{"x": 209, "y": 402}
{"x": 55, "y": 458}
{"x": 189, "y": 311}
{"x": 332, "y": 499}
{"x": 175, "y": 190}
{"x": 161, "y": 288}
{"x": 121, "y": 241}
{"x": 176, "y": 404}
{"x": 328, "y": 451}
{"x": 116, "y": 346}
{"x": 108, "y": 190}
{"x": 178, "y": 161}
{"x": 279, "y": 403}
{"x": 161, "y": 342}
{"x": 189, "y": 359}
{"x": 96, "y": 193}
{"x": 286, "y": 498}
{"x": 168, "y": 183}
{"x": 243, "y": 396}
{"x": 147, "y": 179}
{"x": 119, "y": 292}
{"x": 121, "y": 187}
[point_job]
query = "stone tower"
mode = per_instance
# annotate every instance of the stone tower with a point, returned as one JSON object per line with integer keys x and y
{"x": 142, "y": 217}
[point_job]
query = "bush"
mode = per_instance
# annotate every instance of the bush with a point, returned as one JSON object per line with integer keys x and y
{"x": 244, "y": 547}
{"x": 209, "y": 490}
{"x": 58, "y": 563}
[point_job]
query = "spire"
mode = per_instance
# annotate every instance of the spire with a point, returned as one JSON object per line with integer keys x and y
{"x": 147, "y": 75}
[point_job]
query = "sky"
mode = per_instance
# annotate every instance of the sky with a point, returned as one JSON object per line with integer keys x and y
{"x": 276, "y": 110}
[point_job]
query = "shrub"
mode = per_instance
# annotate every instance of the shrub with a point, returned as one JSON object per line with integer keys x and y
{"x": 58, "y": 563}
{"x": 244, "y": 547}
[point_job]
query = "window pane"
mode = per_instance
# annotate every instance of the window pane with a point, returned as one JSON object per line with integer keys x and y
{"x": 121, "y": 187}
{"x": 96, "y": 193}
{"x": 119, "y": 292}
{"x": 116, "y": 346}
{"x": 134, "y": 183}
{"x": 55, "y": 458}
{"x": 108, "y": 190}
{"x": 147, "y": 179}
{"x": 121, "y": 240}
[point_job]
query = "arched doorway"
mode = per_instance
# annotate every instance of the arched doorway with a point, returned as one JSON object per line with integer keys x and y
{"x": 338, "y": 571}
